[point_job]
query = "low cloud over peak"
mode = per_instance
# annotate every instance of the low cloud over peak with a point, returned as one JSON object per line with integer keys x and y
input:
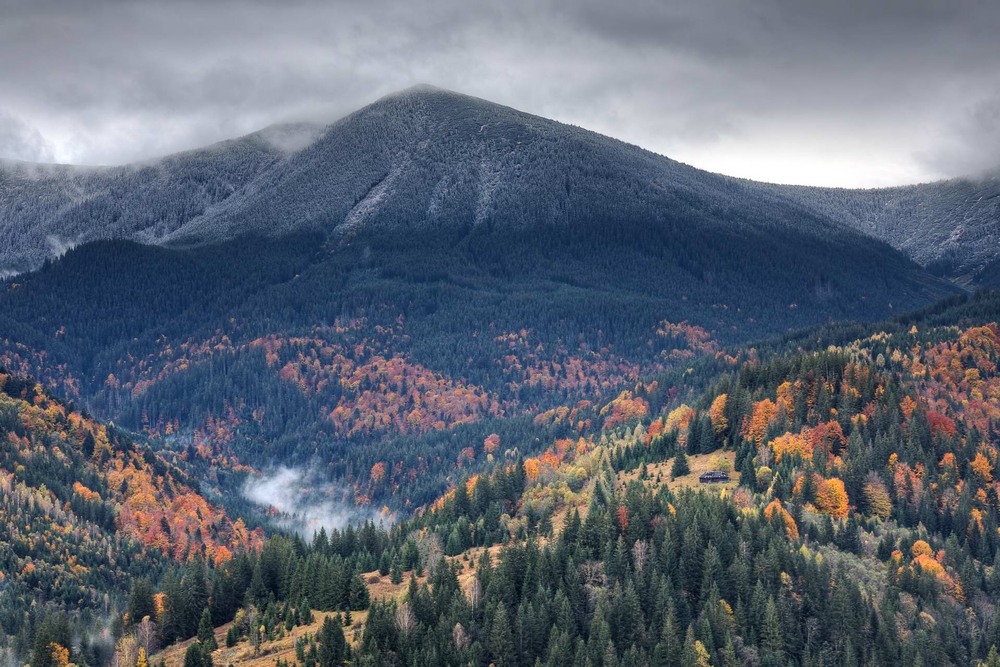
{"x": 849, "y": 93}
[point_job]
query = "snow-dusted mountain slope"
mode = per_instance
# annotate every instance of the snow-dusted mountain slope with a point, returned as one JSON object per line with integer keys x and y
{"x": 46, "y": 209}
{"x": 429, "y": 162}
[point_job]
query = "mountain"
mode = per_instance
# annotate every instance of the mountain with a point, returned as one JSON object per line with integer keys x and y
{"x": 480, "y": 189}
{"x": 417, "y": 276}
{"x": 442, "y": 163}
{"x": 423, "y": 160}
{"x": 950, "y": 226}
{"x": 523, "y": 342}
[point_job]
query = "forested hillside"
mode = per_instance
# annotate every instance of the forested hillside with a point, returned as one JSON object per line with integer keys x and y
{"x": 48, "y": 209}
{"x": 383, "y": 291}
{"x": 949, "y": 226}
{"x": 86, "y": 512}
{"x": 862, "y": 528}
{"x": 258, "y": 351}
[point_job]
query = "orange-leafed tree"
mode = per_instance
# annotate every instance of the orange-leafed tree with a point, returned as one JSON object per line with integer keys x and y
{"x": 623, "y": 518}
{"x": 756, "y": 427}
{"x": 941, "y": 424}
{"x": 624, "y": 409}
{"x": 925, "y": 560}
{"x": 785, "y": 397}
{"x": 776, "y": 508}
{"x": 222, "y": 554}
{"x": 654, "y": 431}
{"x": 678, "y": 421}
{"x": 921, "y": 548}
{"x": 982, "y": 467}
{"x": 717, "y": 413}
{"x": 790, "y": 444}
{"x": 831, "y": 498}
{"x": 907, "y": 405}
{"x": 531, "y": 468}
{"x": 60, "y": 655}
{"x": 828, "y": 437}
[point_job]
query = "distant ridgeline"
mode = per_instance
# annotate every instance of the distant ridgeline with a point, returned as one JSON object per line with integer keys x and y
{"x": 427, "y": 160}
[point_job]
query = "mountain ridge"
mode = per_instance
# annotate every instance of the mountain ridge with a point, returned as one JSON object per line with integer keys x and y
{"x": 417, "y": 160}
{"x": 944, "y": 225}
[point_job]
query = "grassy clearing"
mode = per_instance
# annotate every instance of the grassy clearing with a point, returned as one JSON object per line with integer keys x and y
{"x": 243, "y": 655}
{"x": 658, "y": 474}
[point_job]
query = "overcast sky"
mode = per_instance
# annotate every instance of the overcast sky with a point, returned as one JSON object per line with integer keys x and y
{"x": 835, "y": 92}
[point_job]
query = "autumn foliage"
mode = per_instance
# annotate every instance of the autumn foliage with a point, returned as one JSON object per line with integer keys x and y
{"x": 877, "y": 501}
{"x": 624, "y": 409}
{"x": 755, "y": 428}
{"x": 831, "y": 498}
{"x": 775, "y": 508}
{"x": 155, "y": 504}
{"x": 717, "y": 413}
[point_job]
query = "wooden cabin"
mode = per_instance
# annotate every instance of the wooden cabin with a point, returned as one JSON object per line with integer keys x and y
{"x": 713, "y": 477}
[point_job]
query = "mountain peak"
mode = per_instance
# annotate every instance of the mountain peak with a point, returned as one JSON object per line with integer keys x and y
{"x": 420, "y": 91}
{"x": 424, "y": 89}
{"x": 442, "y": 101}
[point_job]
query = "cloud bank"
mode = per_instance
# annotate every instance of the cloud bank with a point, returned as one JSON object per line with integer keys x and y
{"x": 849, "y": 93}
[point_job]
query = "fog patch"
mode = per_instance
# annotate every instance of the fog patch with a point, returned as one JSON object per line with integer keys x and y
{"x": 291, "y": 138}
{"x": 302, "y": 502}
{"x": 41, "y": 171}
{"x": 59, "y": 246}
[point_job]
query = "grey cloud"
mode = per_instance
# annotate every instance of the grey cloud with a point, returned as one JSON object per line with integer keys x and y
{"x": 973, "y": 142}
{"x": 822, "y": 92}
{"x": 20, "y": 141}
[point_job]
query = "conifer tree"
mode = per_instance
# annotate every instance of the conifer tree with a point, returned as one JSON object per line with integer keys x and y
{"x": 681, "y": 466}
{"x": 141, "y": 601}
{"x": 501, "y": 642}
{"x": 206, "y": 633}
{"x": 331, "y": 643}
{"x": 771, "y": 639}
